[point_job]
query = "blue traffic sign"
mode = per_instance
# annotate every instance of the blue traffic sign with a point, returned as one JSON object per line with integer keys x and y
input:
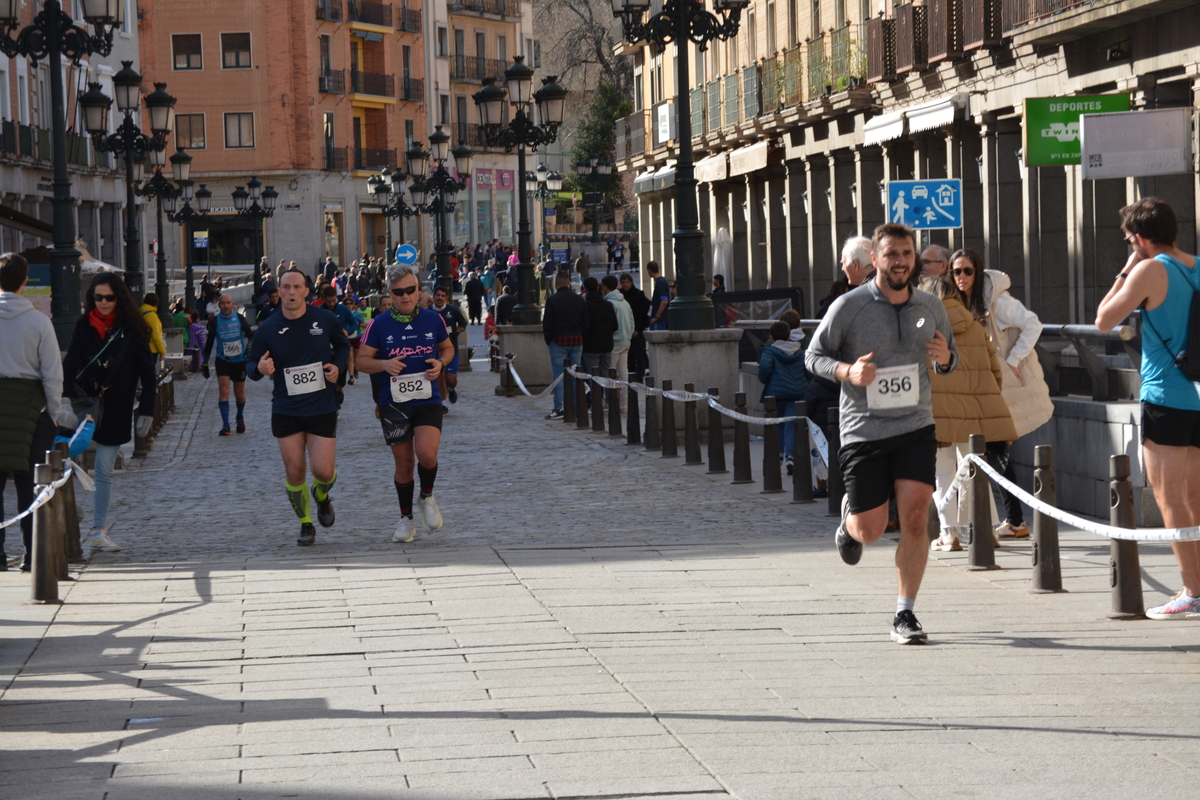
{"x": 406, "y": 254}
{"x": 926, "y": 205}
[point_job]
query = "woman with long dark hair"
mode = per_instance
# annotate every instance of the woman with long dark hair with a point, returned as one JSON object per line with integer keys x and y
{"x": 108, "y": 356}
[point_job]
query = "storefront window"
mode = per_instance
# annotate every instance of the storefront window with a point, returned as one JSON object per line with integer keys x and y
{"x": 504, "y": 216}
{"x": 333, "y": 236}
{"x": 483, "y": 220}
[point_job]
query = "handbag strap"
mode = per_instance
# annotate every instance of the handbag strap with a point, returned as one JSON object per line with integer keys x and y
{"x": 119, "y": 333}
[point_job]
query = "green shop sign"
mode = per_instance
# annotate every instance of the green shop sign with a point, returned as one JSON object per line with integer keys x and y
{"x": 1052, "y": 126}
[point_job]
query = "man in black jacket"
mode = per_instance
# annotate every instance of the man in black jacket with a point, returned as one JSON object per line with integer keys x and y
{"x": 602, "y": 324}
{"x": 565, "y": 324}
{"x": 639, "y": 360}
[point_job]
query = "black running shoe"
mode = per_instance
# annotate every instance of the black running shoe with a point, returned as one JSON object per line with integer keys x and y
{"x": 453, "y": 396}
{"x": 241, "y": 426}
{"x": 308, "y": 534}
{"x": 224, "y": 432}
{"x": 324, "y": 509}
{"x": 849, "y": 548}
{"x": 906, "y": 629}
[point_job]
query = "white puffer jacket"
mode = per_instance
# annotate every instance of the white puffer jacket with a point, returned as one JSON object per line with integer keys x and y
{"x": 1015, "y": 330}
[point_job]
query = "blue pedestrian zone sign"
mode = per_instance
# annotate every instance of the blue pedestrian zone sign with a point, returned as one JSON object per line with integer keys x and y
{"x": 406, "y": 255}
{"x": 926, "y": 205}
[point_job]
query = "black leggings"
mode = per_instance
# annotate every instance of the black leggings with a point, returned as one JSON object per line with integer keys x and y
{"x": 998, "y": 456}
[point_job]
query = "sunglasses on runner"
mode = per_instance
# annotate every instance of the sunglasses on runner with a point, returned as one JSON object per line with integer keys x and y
{"x": 968, "y": 271}
{"x": 105, "y": 298}
{"x": 404, "y": 291}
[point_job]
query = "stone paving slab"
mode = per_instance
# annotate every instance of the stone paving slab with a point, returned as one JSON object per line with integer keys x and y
{"x": 593, "y": 621}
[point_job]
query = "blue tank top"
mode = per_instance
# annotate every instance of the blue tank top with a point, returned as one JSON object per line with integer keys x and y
{"x": 1164, "y": 333}
{"x": 231, "y": 345}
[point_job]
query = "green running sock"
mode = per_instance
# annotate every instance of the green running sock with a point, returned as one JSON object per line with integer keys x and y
{"x": 322, "y": 489}
{"x": 298, "y": 497}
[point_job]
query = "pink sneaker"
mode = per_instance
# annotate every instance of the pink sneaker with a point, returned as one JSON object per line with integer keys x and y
{"x": 1178, "y": 607}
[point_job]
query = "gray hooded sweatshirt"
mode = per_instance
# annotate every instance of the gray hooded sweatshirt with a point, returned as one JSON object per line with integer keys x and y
{"x": 30, "y": 348}
{"x": 864, "y": 321}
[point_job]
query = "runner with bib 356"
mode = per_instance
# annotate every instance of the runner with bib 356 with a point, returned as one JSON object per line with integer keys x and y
{"x": 304, "y": 350}
{"x": 877, "y": 341}
{"x": 409, "y": 346}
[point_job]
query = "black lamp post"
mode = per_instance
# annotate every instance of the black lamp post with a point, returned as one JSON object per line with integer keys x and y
{"x": 162, "y": 190}
{"x": 546, "y": 186}
{"x": 132, "y": 145}
{"x": 683, "y": 21}
{"x": 388, "y": 188}
{"x": 436, "y": 191}
{"x": 53, "y": 35}
{"x": 184, "y": 216}
{"x": 245, "y": 203}
{"x": 595, "y": 168}
{"x": 522, "y": 132}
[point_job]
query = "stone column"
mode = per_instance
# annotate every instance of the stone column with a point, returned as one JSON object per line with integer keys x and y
{"x": 868, "y": 172}
{"x": 777, "y": 230}
{"x": 799, "y": 264}
{"x": 822, "y": 258}
{"x": 740, "y": 280}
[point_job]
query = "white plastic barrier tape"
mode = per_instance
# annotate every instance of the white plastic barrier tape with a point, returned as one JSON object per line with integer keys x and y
{"x": 43, "y": 496}
{"x": 508, "y": 363}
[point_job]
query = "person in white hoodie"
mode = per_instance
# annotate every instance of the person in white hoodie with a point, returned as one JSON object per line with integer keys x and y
{"x": 31, "y": 380}
{"x": 625, "y": 329}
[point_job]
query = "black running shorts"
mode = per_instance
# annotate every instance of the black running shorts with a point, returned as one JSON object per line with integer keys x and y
{"x": 323, "y": 425}
{"x": 869, "y": 469}
{"x": 1170, "y": 427}
{"x": 399, "y": 420}
{"x": 234, "y": 370}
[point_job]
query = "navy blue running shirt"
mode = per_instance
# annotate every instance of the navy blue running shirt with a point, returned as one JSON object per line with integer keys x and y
{"x": 412, "y": 341}
{"x": 315, "y": 338}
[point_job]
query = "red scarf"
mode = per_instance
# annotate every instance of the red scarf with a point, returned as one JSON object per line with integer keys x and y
{"x": 103, "y": 323}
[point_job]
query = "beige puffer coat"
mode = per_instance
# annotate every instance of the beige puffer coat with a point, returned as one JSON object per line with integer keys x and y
{"x": 1014, "y": 330}
{"x": 968, "y": 400}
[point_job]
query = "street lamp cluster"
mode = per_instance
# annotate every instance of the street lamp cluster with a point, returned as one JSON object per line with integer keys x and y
{"x": 246, "y": 204}
{"x": 681, "y": 21}
{"x": 543, "y": 185}
{"x": 594, "y": 168}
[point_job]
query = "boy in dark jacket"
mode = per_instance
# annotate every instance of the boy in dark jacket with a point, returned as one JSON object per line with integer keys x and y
{"x": 781, "y": 370}
{"x": 602, "y": 324}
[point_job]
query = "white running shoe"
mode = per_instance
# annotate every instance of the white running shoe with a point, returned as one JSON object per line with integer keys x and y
{"x": 430, "y": 515}
{"x": 406, "y": 530}
{"x": 99, "y": 541}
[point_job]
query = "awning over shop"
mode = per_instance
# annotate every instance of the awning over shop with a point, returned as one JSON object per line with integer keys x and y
{"x": 884, "y": 128}
{"x": 655, "y": 180}
{"x": 938, "y": 114}
{"x": 748, "y": 159}
{"x": 712, "y": 169}
{"x": 11, "y": 218}
{"x": 644, "y": 182}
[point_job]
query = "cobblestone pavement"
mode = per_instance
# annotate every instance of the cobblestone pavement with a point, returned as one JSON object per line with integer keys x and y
{"x": 593, "y": 621}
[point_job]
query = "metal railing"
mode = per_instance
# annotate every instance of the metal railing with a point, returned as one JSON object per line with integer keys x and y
{"x": 371, "y": 13}
{"x": 751, "y": 91}
{"x": 332, "y": 81}
{"x": 713, "y": 119}
{"x": 911, "y": 38}
{"x": 373, "y": 157}
{"x": 637, "y": 133}
{"x": 818, "y": 68}
{"x": 1094, "y": 375}
{"x": 772, "y": 83}
{"x": 330, "y": 10}
{"x": 373, "y": 83}
{"x": 732, "y": 95}
{"x": 408, "y": 20}
{"x": 945, "y": 29}
{"x": 8, "y": 137}
{"x": 793, "y": 79}
{"x": 496, "y": 8}
{"x": 337, "y": 159}
{"x": 843, "y": 58}
{"x": 412, "y": 89}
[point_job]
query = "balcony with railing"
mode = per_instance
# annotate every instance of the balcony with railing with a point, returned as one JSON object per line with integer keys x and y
{"x": 504, "y": 9}
{"x": 373, "y": 158}
{"x": 944, "y": 18}
{"x": 638, "y": 122}
{"x": 912, "y": 36}
{"x": 818, "y": 68}
{"x": 983, "y": 21}
{"x": 412, "y": 89}
{"x": 846, "y": 61}
{"x": 337, "y": 159}
{"x": 330, "y": 10}
{"x": 793, "y": 77}
{"x": 374, "y": 83}
{"x": 715, "y": 106}
{"x": 772, "y": 83}
{"x": 19, "y": 141}
{"x": 370, "y": 13}
{"x": 732, "y": 97}
{"x": 332, "y": 81}
{"x": 621, "y": 138}
{"x": 473, "y": 69}
{"x": 408, "y": 20}
{"x": 8, "y": 138}
{"x": 881, "y": 50}
{"x": 698, "y": 109}
{"x": 751, "y": 92}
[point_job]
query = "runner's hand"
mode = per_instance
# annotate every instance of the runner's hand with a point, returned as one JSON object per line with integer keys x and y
{"x": 862, "y": 372}
{"x": 939, "y": 349}
{"x": 331, "y": 373}
{"x": 204, "y": 371}
{"x": 393, "y": 366}
{"x": 435, "y": 369}
{"x": 266, "y": 364}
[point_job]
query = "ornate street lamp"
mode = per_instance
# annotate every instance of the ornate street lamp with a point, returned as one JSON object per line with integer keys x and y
{"x": 683, "y": 21}
{"x": 546, "y": 185}
{"x": 436, "y": 191}
{"x": 53, "y": 35}
{"x": 522, "y": 132}
{"x": 388, "y": 188}
{"x": 594, "y": 168}
{"x": 246, "y": 204}
{"x": 165, "y": 193}
{"x": 184, "y": 216}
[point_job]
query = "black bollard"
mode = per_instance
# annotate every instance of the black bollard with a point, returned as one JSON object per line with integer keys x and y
{"x": 74, "y": 548}
{"x": 670, "y": 448}
{"x": 568, "y": 393}
{"x": 772, "y": 478}
{"x": 716, "y": 438}
{"x": 691, "y": 429}
{"x": 633, "y": 424}
{"x": 741, "y": 443}
{"x": 581, "y": 406}
{"x": 1126, "y": 572}
{"x": 597, "y": 404}
{"x": 802, "y": 469}
{"x": 653, "y": 442}
{"x": 58, "y": 513}
{"x": 1047, "y": 569}
{"x": 44, "y": 584}
{"x": 614, "y": 407}
{"x": 981, "y": 555}
{"x": 833, "y": 435}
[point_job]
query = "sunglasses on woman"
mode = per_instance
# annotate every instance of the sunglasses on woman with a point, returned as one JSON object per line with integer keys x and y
{"x": 968, "y": 271}
{"x": 405, "y": 290}
{"x": 105, "y": 298}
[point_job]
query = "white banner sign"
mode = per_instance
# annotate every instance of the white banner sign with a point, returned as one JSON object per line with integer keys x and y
{"x": 1132, "y": 144}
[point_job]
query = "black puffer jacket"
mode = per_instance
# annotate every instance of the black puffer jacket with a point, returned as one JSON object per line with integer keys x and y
{"x": 135, "y": 365}
{"x": 602, "y": 324}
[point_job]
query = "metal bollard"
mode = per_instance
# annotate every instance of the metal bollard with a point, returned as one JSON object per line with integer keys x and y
{"x": 741, "y": 443}
{"x": 772, "y": 479}
{"x": 1047, "y": 569}
{"x": 1126, "y": 572}
{"x": 833, "y": 434}
{"x": 58, "y": 516}
{"x": 597, "y": 404}
{"x": 691, "y": 429}
{"x": 581, "y": 406}
{"x": 74, "y": 549}
{"x": 44, "y": 584}
{"x": 633, "y": 424}
{"x": 802, "y": 469}
{"x": 568, "y": 393}
{"x": 716, "y": 438}
{"x": 981, "y": 555}
{"x": 652, "y": 439}
{"x": 614, "y": 406}
{"x": 493, "y": 357}
{"x": 670, "y": 448}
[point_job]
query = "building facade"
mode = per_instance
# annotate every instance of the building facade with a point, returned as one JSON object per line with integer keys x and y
{"x": 800, "y": 120}
{"x": 311, "y": 100}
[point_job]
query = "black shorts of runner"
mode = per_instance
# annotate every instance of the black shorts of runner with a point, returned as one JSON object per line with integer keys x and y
{"x": 323, "y": 425}
{"x": 234, "y": 370}
{"x": 1170, "y": 427}
{"x": 870, "y": 468}
{"x": 399, "y": 420}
